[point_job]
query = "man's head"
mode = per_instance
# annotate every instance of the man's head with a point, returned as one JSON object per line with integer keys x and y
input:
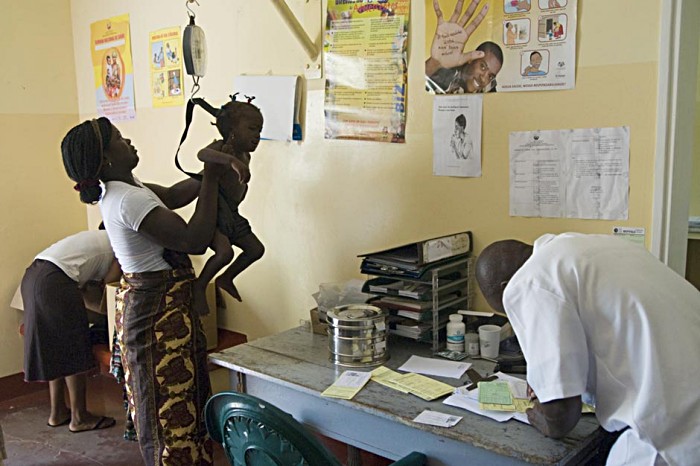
{"x": 535, "y": 59}
{"x": 495, "y": 267}
{"x": 480, "y": 73}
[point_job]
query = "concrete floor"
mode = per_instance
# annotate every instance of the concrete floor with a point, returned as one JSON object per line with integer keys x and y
{"x": 30, "y": 442}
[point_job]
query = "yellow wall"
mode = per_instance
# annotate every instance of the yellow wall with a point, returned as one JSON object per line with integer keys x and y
{"x": 38, "y": 103}
{"x": 695, "y": 183}
{"x": 317, "y": 204}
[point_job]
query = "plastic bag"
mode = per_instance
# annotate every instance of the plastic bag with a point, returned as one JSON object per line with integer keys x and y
{"x": 330, "y": 295}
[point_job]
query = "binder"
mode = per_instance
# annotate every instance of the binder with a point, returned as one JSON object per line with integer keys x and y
{"x": 370, "y": 266}
{"x": 413, "y": 256}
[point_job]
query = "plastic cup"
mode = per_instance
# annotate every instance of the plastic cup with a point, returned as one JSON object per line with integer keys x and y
{"x": 489, "y": 340}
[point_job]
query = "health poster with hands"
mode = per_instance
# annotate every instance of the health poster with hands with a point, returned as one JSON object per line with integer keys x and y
{"x": 476, "y": 46}
{"x": 365, "y": 65}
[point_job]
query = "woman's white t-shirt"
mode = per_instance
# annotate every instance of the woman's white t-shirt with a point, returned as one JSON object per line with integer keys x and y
{"x": 123, "y": 208}
{"x": 83, "y": 256}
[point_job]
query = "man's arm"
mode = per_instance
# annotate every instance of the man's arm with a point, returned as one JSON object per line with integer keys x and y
{"x": 555, "y": 418}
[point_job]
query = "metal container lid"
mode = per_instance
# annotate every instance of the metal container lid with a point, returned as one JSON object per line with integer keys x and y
{"x": 355, "y": 315}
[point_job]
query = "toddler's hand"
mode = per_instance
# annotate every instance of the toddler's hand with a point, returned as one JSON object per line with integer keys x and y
{"x": 242, "y": 170}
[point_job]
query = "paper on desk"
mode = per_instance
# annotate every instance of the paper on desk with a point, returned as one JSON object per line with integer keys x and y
{"x": 495, "y": 393}
{"x": 439, "y": 367}
{"x": 424, "y": 387}
{"x": 435, "y": 418}
{"x": 385, "y": 376}
{"x": 472, "y": 405}
{"x": 347, "y": 385}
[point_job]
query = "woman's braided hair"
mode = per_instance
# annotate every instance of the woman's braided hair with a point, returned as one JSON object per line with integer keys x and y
{"x": 83, "y": 154}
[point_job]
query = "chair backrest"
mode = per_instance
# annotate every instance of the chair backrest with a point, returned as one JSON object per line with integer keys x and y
{"x": 256, "y": 433}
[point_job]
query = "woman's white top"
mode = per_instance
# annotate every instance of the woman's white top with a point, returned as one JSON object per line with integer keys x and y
{"x": 123, "y": 208}
{"x": 83, "y": 256}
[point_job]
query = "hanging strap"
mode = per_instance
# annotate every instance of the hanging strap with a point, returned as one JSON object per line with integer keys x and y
{"x": 189, "y": 110}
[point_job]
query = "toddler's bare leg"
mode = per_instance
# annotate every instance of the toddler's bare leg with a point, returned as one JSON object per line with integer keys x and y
{"x": 251, "y": 250}
{"x": 223, "y": 254}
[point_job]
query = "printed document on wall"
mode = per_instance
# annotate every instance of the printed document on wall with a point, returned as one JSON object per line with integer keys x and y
{"x": 457, "y": 135}
{"x": 574, "y": 173}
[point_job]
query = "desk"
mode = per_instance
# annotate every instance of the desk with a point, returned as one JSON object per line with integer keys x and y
{"x": 292, "y": 368}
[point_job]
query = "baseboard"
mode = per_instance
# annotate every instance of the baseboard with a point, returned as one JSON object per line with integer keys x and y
{"x": 14, "y": 385}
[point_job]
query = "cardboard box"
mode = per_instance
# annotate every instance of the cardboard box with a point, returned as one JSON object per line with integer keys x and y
{"x": 318, "y": 325}
{"x": 209, "y": 322}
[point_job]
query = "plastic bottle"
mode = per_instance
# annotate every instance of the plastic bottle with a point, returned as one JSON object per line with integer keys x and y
{"x": 455, "y": 333}
{"x": 471, "y": 343}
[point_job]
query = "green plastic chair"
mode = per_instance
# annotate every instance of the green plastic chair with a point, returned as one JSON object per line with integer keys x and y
{"x": 255, "y": 433}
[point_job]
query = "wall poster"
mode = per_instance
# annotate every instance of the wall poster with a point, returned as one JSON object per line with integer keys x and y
{"x": 365, "y": 65}
{"x": 110, "y": 45}
{"x": 166, "y": 67}
{"x": 527, "y": 45}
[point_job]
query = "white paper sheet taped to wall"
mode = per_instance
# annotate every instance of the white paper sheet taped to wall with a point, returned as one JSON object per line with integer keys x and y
{"x": 279, "y": 100}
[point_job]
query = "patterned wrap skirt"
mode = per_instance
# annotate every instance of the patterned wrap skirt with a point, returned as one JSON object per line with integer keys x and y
{"x": 163, "y": 352}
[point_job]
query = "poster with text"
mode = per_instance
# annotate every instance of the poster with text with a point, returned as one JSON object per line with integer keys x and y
{"x": 522, "y": 45}
{"x": 110, "y": 45}
{"x": 365, "y": 65}
{"x": 166, "y": 67}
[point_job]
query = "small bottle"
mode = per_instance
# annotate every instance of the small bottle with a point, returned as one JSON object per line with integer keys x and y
{"x": 471, "y": 342}
{"x": 455, "y": 333}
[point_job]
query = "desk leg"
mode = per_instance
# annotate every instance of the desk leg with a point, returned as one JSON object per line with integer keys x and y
{"x": 240, "y": 382}
{"x": 354, "y": 458}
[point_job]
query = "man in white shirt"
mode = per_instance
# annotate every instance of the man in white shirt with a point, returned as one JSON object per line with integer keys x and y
{"x": 600, "y": 317}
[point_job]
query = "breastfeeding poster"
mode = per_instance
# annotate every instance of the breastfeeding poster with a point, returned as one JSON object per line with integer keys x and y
{"x": 365, "y": 66}
{"x": 527, "y": 45}
{"x": 113, "y": 71}
{"x": 166, "y": 67}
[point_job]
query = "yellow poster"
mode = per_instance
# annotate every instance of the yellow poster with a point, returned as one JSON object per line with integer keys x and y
{"x": 166, "y": 67}
{"x": 365, "y": 52}
{"x": 113, "y": 71}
